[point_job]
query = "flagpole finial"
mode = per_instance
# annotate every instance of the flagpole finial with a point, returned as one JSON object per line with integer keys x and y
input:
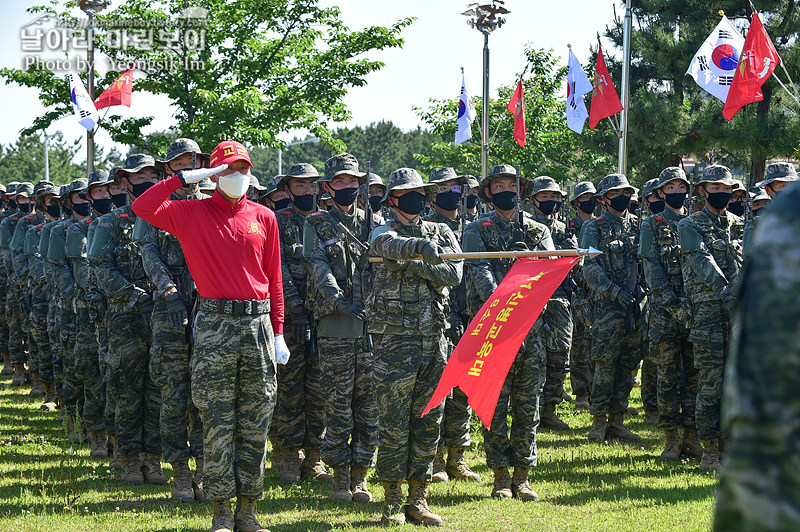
{"x": 569, "y": 46}
{"x": 721, "y": 13}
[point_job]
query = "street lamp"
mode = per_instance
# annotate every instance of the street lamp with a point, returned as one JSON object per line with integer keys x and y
{"x": 46, "y": 156}
{"x": 484, "y": 19}
{"x": 280, "y": 151}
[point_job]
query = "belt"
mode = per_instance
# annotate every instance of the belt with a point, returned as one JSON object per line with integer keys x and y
{"x": 235, "y": 307}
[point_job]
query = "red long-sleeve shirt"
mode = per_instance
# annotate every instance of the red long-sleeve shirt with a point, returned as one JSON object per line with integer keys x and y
{"x": 233, "y": 251}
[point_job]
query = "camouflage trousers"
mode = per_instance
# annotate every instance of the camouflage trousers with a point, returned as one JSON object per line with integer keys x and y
{"x": 407, "y": 370}
{"x": 520, "y": 397}
{"x": 44, "y": 351}
{"x": 87, "y": 370}
{"x": 3, "y": 322}
{"x": 73, "y": 385}
{"x": 677, "y": 376}
{"x": 53, "y": 326}
{"x": 181, "y": 428}
{"x": 457, "y": 415}
{"x": 299, "y": 418}
{"x": 710, "y": 335}
{"x": 616, "y": 353}
{"x": 350, "y": 404}
{"x": 138, "y": 399}
{"x": 580, "y": 360}
{"x": 16, "y": 337}
{"x": 558, "y": 340}
{"x": 649, "y": 376}
{"x": 30, "y": 342}
{"x": 234, "y": 387}
{"x": 104, "y": 361}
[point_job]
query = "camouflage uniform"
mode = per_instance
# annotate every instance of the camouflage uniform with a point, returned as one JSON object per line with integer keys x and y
{"x": 649, "y": 378}
{"x": 711, "y": 263}
{"x": 781, "y": 172}
{"x": 761, "y": 413}
{"x": 52, "y": 310}
{"x": 9, "y": 211}
{"x": 750, "y": 227}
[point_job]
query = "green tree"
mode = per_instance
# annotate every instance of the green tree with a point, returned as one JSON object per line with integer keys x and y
{"x": 264, "y": 67}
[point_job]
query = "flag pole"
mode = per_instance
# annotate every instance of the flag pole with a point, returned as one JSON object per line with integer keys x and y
{"x": 90, "y": 89}
{"x": 783, "y": 66}
{"x": 622, "y": 164}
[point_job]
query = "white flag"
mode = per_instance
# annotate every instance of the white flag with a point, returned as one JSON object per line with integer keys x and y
{"x": 85, "y": 111}
{"x": 714, "y": 64}
{"x": 466, "y": 114}
{"x": 577, "y": 85}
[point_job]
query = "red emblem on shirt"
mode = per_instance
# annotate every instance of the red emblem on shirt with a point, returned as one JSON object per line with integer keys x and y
{"x": 659, "y": 219}
{"x": 486, "y": 223}
{"x": 286, "y": 211}
{"x": 124, "y": 215}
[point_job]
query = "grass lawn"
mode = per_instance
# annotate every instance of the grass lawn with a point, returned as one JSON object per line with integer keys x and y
{"x": 47, "y": 486}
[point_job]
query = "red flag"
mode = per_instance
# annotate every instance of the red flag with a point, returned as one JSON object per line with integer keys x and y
{"x": 119, "y": 93}
{"x": 517, "y": 108}
{"x": 605, "y": 101}
{"x": 481, "y": 360}
{"x": 758, "y": 62}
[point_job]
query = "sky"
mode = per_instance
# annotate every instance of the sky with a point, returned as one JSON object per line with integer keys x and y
{"x": 428, "y": 66}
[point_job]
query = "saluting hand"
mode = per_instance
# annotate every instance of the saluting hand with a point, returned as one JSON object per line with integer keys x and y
{"x": 189, "y": 177}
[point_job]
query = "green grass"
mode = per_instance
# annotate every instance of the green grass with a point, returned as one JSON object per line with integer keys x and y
{"x": 47, "y": 486}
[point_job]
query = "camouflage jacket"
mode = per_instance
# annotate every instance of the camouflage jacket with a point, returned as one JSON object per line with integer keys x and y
{"x": 7, "y": 227}
{"x": 491, "y": 232}
{"x": 17, "y": 246}
{"x": 86, "y": 288}
{"x": 617, "y": 268}
{"x": 711, "y": 259}
{"x": 3, "y": 215}
{"x": 333, "y": 259}
{"x": 57, "y": 256}
{"x": 660, "y": 251}
{"x": 457, "y": 301}
{"x": 36, "y": 278}
{"x": 409, "y": 296}
{"x": 562, "y": 239}
{"x": 163, "y": 260}
{"x": 47, "y": 266}
{"x": 295, "y": 273}
{"x": 116, "y": 259}
{"x": 747, "y": 236}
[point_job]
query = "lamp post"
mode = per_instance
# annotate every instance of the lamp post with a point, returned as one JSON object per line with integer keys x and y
{"x": 484, "y": 19}
{"x": 46, "y": 155}
{"x": 91, "y": 8}
{"x": 280, "y": 151}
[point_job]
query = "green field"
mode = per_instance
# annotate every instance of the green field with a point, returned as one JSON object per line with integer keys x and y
{"x": 47, "y": 486}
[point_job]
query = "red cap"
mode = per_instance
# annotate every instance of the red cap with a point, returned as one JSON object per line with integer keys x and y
{"x": 229, "y": 151}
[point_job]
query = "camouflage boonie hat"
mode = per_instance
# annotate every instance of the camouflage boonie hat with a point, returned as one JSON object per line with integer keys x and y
{"x": 670, "y": 174}
{"x": 11, "y": 188}
{"x": 344, "y": 163}
{"x": 582, "y": 188}
{"x": 372, "y": 179}
{"x": 43, "y": 188}
{"x": 649, "y": 187}
{"x": 444, "y": 173}
{"x": 469, "y": 181}
{"x": 635, "y": 197}
{"x": 135, "y": 163}
{"x": 64, "y": 190}
{"x": 406, "y": 179}
{"x": 206, "y": 184}
{"x": 180, "y": 146}
{"x": 614, "y": 182}
{"x": 760, "y": 194}
{"x": 779, "y": 172}
{"x": 76, "y": 186}
{"x": 272, "y": 185}
{"x": 716, "y": 173}
{"x": 96, "y": 178}
{"x": 325, "y": 196}
{"x": 255, "y": 184}
{"x": 546, "y": 184}
{"x": 738, "y": 185}
{"x": 40, "y": 186}
{"x": 24, "y": 189}
{"x": 301, "y": 170}
{"x": 502, "y": 170}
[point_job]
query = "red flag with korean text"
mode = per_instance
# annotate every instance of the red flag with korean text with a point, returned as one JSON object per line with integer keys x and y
{"x": 758, "y": 62}
{"x": 481, "y": 360}
{"x": 605, "y": 101}
{"x": 119, "y": 93}
{"x": 516, "y": 106}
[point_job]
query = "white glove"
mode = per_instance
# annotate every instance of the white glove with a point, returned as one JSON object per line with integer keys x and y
{"x": 281, "y": 350}
{"x": 189, "y": 177}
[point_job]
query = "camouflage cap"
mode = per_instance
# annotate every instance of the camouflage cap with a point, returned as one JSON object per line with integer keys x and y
{"x": 41, "y": 186}
{"x": 207, "y": 184}
{"x": 96, "y": 178}
{"x": 469, "y": 181}
{"x": 716, "y": 173}
{"x": 272, "y": 185}
{"x": 582, "y": 188}
{"x": 760, "y": 194}
{"x": 255, "y": 184}
{"x": 137, "y": 162}
{"x": 300, "y": 171}
{"x": 546, "y": 184}
{"x": 406, "y": 179}
{"x": 779, "y": 172}
{"x": 112, "y": 175}
{"x": 671, "y": 174}
{"x": 78, "y": 185}
{"x": 443, "y": 173}
{"x": 180, "y": 146}
{"x": 738, "y": 185}
{"x": 372, "y": 179}
{"x": 64, "y": 190}
{"x": 649, "y": 187}
{"x": 11, "y": 188}
{"x": 24, "y": 189}
{"x": 501, "y": 170}
{"x": 344, "y": 163}
{"x": 614, "y": 182}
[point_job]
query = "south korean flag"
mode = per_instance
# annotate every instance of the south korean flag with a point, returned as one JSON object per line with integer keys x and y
{"x": 84, "y": 108}
{"x": 715, "y": 62}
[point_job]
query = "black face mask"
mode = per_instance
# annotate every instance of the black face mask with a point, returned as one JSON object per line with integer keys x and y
{"x": 82, "y": 209}
{"x": 472, "y": 201}
{"x": 54, "y": 211}
{"x": 304, "y": 202}
{"x": 719, "y": 200}
{"x": 345, "y": 196}
{"x": 103, "y": 206}
{"x": 12, "y": 204}
{"x": 140, "y": 189}
{"x": 282, "y": 203}
{"x": 621, "y": 204}
{"x": 633, "y": 208}
{"x": 25, "y": 208}
{"x": 736, "y": 207}
{"x": 67, "y": 211}
{"x": 505, "y": 201}
{"x": 411, "y": 203}
{"x": 676, "y": 200}
{"x": 656, "y": 207}
{"x": 375, "y": 203}
{"x": 549, "y": 207}
{"x": 119, "y": 199}
{"x": 587, "y": 206}
{"x": 448, "y": 201}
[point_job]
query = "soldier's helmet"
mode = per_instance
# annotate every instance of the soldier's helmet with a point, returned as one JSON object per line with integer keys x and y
{"x": 96, "y": 178}
{"x": 649, "y": 187}
{"x": 717, "y": 173}
{"x": 300, "y": 170}
{"x": 671, "y": 173}
{"x": 469, "y": 181}
{"x": 343, "y": 163}
{"x": 614, "y": 182}
{"x": 444, "y": 173}
{"x": 546, "y": 184}
{"x": 779, "y": 172}
{"x": 180, "y": 146}
{"x": 406, "y": 179}
{"x": 134, "y": 163}
{"x": 24, "y": 189}
{"x": 582, "y": 188}
{"x": 502, "y": 170}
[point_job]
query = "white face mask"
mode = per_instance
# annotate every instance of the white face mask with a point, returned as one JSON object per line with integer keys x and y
{"x": 234, "y": 185}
